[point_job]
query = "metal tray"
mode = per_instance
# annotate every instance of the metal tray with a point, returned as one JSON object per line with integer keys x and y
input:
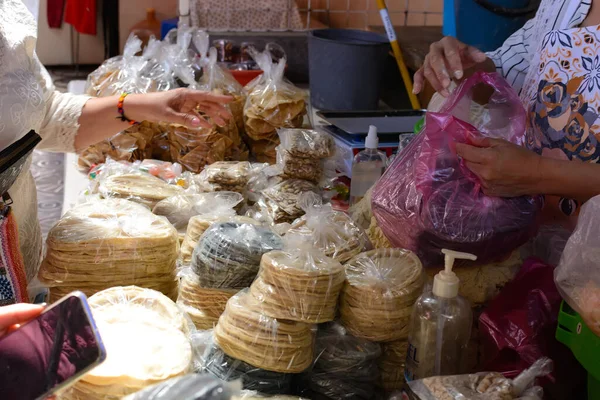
{"x": 387, "y": 122}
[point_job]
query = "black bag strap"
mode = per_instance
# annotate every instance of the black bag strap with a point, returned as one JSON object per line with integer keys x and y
{"x": 21, "y": 148}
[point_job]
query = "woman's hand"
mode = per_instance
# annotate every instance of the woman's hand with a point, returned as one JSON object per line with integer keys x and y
{"x": 505, "y": 169}
{"x": 12, "y": 316}
{"x": 99, "y": 119}
{"x": 447, "y": 59}
{"x": 180, "y": 106}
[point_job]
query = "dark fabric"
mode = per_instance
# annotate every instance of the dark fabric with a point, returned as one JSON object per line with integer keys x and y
{"x": 54, "y": 13}
{"x": 110, "y": 28}
{"x": 82, "y": 15}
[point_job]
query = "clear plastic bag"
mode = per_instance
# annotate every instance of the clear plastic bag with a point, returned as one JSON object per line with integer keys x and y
{"x": 392, "y": 364}
{"x": 229, "y": 253}
{"x": 332, "y": 232}
{"x": 181, "y": 208}
{"x": 203, "y": 305}
{"x": 482, "y": 386}
{"x": 379, "y": 293}
{"x": 230, "y": 176}
{"x": 103, "y": 243}
{"x": 306, "y": 143}
{"x": 273, "y": 102}
{"x": 188, "y": 387}
{"x": 246, "y": 334}
{"x": 226, "y": 368}
{"x": 299, "y": 283}
{"x": 428, "y": 199}
{"x": 198, "y": 224}
{"x": 138, "y": 187}
{"x": 280, "y": 201}
{"x": 345, "y": 367}
{"x": 577, "y": 275}
{"x": 254, "y": 395}
{"x": 147, "y": 339}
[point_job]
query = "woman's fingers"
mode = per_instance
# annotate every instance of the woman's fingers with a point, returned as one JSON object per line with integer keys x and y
{"x": 17, "y": 314}
{"x": 452, "y": 48}
{"x": 437, "y": 63}
{"x": 477, "y": 56}
{"x": 200, "y": 97}
{"x": 191, "y": 119}
{"x": 418, "y": 81}
{"x": 472, "y": 154}
{"x": 431, "y": 76}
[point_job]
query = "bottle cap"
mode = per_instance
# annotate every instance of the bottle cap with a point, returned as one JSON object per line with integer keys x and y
{"x": 372, "y": 141}
{"x": 445, "y": 283}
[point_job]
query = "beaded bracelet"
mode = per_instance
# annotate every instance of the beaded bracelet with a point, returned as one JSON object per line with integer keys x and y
{"x": 122, "y": 116}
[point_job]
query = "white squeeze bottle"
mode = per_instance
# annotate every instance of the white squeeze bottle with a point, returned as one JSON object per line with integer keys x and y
{"x": 367, "y": 167}
{"x": 440, "y": 326}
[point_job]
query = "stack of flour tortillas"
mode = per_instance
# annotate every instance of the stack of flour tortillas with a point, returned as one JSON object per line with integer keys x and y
{"x": 106, "y": 243}
{"x": 146, "y": 338}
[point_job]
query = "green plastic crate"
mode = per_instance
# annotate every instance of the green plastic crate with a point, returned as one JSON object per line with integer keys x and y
{"x": 584, "y": 344}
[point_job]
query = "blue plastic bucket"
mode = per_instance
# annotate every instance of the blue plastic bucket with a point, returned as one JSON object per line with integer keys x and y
{"x": 486, "y": 24}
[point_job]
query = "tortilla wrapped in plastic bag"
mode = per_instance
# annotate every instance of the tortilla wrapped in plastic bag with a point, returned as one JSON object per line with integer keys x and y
{"x": 179, "y": 209}
{"x": 103, "y": 243}
{"x": 482, "y": 386}
{"x": 147, "y": 340}
{"x": 188, "y": 387}
{"x": 332, "y": 232}
{"x": 246, "y": 334}
{"x": 298, "y": 283}
{"x": 577, "y": 276}
{"x": 228, "y": 254}
{"x": 428, "y": 199}
{"x": 203, "y": 305}
{"x": 345, "y": 366}
{"x": 198, "y": 224}
{"x": 379, "y": 293}
{"x": 217, "y": 363}
{"x": 273, "y": 102}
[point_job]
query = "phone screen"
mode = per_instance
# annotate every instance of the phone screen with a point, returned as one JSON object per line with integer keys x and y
{"x": 46, "y": 352}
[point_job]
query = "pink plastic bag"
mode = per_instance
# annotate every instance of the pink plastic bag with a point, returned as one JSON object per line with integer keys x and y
{"x": 428, "y": 199}
{"x": 519, "y": 325}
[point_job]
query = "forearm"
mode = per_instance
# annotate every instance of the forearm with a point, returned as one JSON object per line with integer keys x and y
{"x": 570, "y": 179}
{"x": 99, "y": 120}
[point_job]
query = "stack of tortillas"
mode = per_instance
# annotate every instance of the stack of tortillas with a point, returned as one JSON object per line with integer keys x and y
{"x": 107, "y": 243}
{"x": 139, "y": 187}
{"x": 380, "y": 290}
{"x": 198, "y": 224}
{"x": 299, "y": 285}
{"x": 245, "y": 333}
{"x": 146, "y": 340}
{"x": 228, "y": 253}
{"x": 203, "y": 305}
{"x": 391, "y": 365}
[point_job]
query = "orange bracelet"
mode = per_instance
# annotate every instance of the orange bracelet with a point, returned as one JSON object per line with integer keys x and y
{"x": 122, "y": 116}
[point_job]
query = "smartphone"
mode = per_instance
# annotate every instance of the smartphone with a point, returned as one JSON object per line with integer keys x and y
{"x": 50, "y": 352}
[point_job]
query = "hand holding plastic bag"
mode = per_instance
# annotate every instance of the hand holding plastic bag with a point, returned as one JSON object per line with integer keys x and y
{"x": 429, "y": 200}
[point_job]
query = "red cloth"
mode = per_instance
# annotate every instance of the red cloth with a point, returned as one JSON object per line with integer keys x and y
{"x": 82, "y": 15}
{"x": 54, "y": 13}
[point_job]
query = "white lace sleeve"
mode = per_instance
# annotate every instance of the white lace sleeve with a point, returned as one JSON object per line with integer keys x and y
{"x": 61, "y": 114}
